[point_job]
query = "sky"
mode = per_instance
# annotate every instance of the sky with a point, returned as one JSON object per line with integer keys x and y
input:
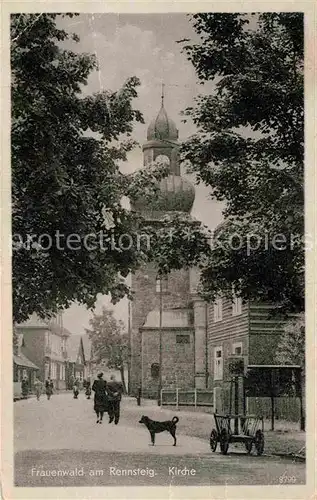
{"x": 143, "y": 46}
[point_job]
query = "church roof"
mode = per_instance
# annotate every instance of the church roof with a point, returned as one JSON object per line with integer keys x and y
{"x": 176, "y": 194}
{"x": 171, "y": 318}
{"x": 162, "y": 127}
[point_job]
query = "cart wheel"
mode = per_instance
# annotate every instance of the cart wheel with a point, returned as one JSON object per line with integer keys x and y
{"x": 248, "y": 446}
{"x": 213, "y": 440}
{"x": 259, "y": 442}
{"x": 224, "y": 441}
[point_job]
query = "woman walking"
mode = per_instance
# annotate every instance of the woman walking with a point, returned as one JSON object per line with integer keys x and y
{"x": 38, "y": 388}
{"x": 76, "y": 389}
{"x": 25, "y": 387}
{"x": 87, "y": 386}
{"x": 100, "y": 398}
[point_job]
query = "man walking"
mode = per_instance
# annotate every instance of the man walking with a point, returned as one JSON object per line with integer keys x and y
{"x": 114, "y": 390}
{"x": 49, "y": 387}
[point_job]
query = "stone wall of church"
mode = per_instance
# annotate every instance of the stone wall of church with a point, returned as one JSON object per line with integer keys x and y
{"x": 146, "y": 299}
{"x": 178, "y": 360}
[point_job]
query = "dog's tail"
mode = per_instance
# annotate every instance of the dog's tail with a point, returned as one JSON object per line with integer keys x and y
{"x": 175, "y": 420}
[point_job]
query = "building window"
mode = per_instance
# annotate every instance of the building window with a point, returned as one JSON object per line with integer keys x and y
{"x": 164, "y": 285}
{"x": 47, "y": 340}
{"x": 218, "y": 363}
{"x": 46, "y": 370}
{"x": 53, "y": 370}
{"x": 56, "y": 344}
{"x": 79, "y": 359}
{"x": 62, "y": 372}
{"x": 237, "y": 348}
{"x": 182, "y": 339}
{"x": 155, "y": 370}
{"x": 63, "y": 344}
{"x": 236, "y": 305}
{"x": 218, "y": 310}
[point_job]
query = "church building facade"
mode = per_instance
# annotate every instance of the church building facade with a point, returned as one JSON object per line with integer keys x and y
{"x": 183, "y": 319}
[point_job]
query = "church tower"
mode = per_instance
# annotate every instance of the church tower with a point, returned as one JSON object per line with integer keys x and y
{"x": 173, "y": 295}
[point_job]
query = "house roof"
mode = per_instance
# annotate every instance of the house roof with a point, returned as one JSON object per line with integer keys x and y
{"x": 58, "y": 330}
{"x": 35, "y": 322}
{"x": 73, "y": 344}
{"x": 22, "y": 360}
{"x": 87, "y": 346}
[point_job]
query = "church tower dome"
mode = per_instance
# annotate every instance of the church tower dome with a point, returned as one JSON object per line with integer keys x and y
{"x": 162, "y": 127}
{"x": 176, "y": 193}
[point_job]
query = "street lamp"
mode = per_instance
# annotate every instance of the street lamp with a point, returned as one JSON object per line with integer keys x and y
{"x": 159, "y": 401}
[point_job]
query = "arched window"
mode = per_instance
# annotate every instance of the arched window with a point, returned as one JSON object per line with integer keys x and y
{"x": 155, "y": 370}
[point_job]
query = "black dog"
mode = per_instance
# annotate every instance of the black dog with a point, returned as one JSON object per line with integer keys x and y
{"x": 154, "y": 427}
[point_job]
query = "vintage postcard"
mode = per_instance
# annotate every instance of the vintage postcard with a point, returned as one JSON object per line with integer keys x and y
{"x": 158, "y": 240}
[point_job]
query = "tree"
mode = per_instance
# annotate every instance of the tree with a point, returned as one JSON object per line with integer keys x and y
{"x": 291, "y": 351}
{"x": 291, "y": 347}
{"x": 109, "y": 341}
{"x": 15, "y": 342}
{"x": 65, "y": 176}
{"x": 249, "y": 149}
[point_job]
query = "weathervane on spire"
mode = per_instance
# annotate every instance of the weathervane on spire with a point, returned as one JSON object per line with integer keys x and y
{"x": 162, "y": 96}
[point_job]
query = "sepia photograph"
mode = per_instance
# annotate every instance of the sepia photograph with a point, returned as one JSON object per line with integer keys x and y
{"x": 158, "y": 249}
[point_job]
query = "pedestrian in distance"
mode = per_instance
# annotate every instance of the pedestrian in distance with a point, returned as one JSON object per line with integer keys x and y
{"x": 76, "y": 389}
{"x": 87, "y": 386}
{"x": 25, "y": 387}
{"x": 49, "y": 387}
{"x": 114, "y": 390}
{"x": 100, "y": 399}
{"x": 38, "y": 388}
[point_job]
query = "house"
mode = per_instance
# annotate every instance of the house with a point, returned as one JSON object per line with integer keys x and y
{"x": 243, "y": 337}
{"x": 45, "y": 345}
{"x": 22, "y": 367}
{"x": 75, "y": 360}
{"x": 88, "y": 368}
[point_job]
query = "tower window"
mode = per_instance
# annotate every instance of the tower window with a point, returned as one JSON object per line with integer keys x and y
{"x": 155, "y": 370}
{"x": 182, "y": 339}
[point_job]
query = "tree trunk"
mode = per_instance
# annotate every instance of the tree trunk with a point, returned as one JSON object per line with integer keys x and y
{"x": 123, "y": 378}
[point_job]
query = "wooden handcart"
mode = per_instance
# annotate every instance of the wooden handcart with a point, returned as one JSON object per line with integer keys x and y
{"x": 247, "y": 429}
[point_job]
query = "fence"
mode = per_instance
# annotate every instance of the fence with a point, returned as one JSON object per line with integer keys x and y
{"x": 183, "y": 397}
{"x": 286, "y": 408}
